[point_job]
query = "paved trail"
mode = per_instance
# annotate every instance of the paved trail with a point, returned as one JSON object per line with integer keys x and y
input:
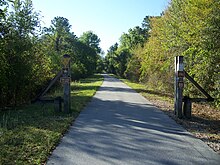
{"x": 121, "y": 127}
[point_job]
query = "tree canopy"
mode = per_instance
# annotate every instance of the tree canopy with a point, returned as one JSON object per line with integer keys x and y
{"x": 186, "y": 27}
{"x": 91, "y": 40}
{"x": 30, "y": 55}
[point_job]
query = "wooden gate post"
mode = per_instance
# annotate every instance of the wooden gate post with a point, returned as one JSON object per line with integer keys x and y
{"x": 66, "y": 79}
{"x": 179, "y": 84}
{"x": 58, "y": 104}
{"x": 187, "y": 107}
{"x": 175, "y": 86}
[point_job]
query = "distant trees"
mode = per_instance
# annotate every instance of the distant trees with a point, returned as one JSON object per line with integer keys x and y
{"x": 84, "y": 51}
{"x": 121, "y": 57}
{"x": 186, "y": 27}
{"x": 110, "y": 59}
{"x": 91, "y": 40}
{"x": 29, "y": 57}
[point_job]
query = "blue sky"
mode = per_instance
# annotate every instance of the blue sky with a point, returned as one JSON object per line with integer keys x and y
{"x": 106, "y": 18}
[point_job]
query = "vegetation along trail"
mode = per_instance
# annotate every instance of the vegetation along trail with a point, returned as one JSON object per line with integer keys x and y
{"x": 126, "y": 127}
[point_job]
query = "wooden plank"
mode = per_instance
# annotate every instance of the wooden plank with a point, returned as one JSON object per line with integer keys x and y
{"x": 52, "y": 82}
{"x": 197, "y": 86}
{"x": 201, "y": 100}
{"x": 43, "y": 100}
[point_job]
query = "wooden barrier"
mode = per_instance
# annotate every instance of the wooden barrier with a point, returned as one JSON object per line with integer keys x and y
{"x": 185, "y": 110}
{"x": 179, "y": 84}
{"x": 65, "y": 78}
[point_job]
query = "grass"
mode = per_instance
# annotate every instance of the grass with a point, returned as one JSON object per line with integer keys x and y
{"x": 29, "y": 134}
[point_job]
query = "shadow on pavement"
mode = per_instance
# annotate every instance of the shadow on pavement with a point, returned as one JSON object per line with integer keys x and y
{"x": 128, "y": 133}
{"x": 120, "y": 127}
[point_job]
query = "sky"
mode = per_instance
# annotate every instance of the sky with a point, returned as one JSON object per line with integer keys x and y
{"x": 108, "y": 19}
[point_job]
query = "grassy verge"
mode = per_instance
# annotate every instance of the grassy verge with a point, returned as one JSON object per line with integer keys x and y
{"x": 205, "y": 121}
{"x": 29, "y": 134}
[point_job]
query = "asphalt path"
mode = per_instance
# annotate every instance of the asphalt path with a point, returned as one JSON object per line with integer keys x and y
{"x": 119, "y": 126}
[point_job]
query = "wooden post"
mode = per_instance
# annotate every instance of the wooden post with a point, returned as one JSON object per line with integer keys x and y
{"x": 179, "y": 84}
{"x": 58, "y": 104}
{"x": 187, "y": 107}
{"x": 66, "y": 79}
{"x": 175, "y": 86}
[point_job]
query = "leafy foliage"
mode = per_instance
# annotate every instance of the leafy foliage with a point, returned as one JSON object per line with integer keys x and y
{"x": 187, "y": 27}
{"x": 91, "y": 40}
{"x": 19, "y": 56}
{"x": 31, "y": 55}
{"x": 119, "y": 59}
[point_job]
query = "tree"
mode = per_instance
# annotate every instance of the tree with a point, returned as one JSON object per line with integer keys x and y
{"x": 4, "y": 4}
{"x": 3, "y": 62}
{"x": 18, "y": 53}
{"x": 110, "y": 59}
{"x": 120, "y": 60}
{"x": 146, "y": 23}
{"x": 133, "y": 70}
{"x": 60, "y": 28}
{"x": 135, "y": 36}
{"x": 92, "y": 40}
{"x": 188, "y": 28}
{"x": 58, "y": 40}
{"x": 29, "y": 58}
{"x": 59, "y": 34}
{"x": 85, "y": 56}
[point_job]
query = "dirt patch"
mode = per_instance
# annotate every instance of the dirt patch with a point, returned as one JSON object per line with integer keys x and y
{"x": 204, "y": 124}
